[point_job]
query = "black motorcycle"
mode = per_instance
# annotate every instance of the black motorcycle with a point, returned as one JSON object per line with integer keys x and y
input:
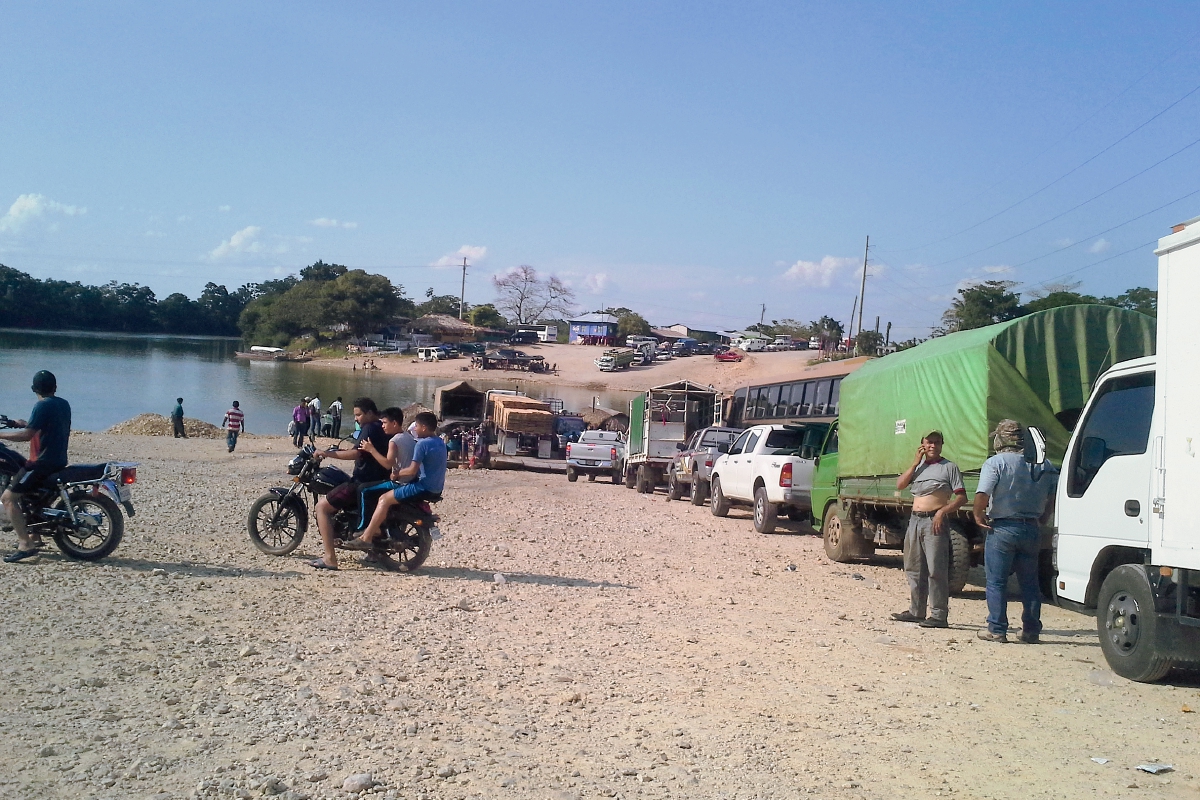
{"x": 279, "y": 519}
{"x": 77, "y": 506}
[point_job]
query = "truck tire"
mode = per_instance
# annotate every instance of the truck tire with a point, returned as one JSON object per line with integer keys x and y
{"x": 643, "y": 480}
{"x": 717, "y": 504}
{"x": 699, "y": 491}
{"x": 1128, "y": 626}
{"x": 960, "y": 559}
{"x": 572, "y": 475}
{"x": 765, "y": 512}
{"x": 798, "y": 515}
{"x": 629, "y": 478}
{"x": 674, "y": 490}
{"x": 1047, "y": 576}
{"x": 617, "y": 477}
{"x": 843, "y": 539}
{"x": 591, "y": 477}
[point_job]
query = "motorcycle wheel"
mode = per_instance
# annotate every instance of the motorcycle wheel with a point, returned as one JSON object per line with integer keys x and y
{"x": 276, "y": 538}
{"x": 410, "y": 545}
{"x": 88, "y": 541}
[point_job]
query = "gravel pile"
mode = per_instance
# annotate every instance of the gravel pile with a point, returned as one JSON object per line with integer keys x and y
{"x": 158, "y": 425}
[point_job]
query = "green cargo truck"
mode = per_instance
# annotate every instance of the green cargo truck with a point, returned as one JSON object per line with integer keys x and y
{"x": 1037, "y": 369}
{"x": 660, "y": 421}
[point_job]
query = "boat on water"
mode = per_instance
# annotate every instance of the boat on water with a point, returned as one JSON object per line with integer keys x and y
{"x": 260, "y": 353}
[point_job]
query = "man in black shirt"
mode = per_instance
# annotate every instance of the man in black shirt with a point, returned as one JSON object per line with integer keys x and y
{"x": 47, "y": 431}
{"x": 366, "y": 470}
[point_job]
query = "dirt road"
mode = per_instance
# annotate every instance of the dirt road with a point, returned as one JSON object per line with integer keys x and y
{"x": 635, "y": 648}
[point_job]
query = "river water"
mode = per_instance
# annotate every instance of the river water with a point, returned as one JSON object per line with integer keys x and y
{"x": 109, "y": 378}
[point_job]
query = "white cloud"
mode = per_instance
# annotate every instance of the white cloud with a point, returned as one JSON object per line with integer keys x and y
{"x": 244, "y": 241}
{"x": 818, "y": 273}
{"x": 596, "y": 282}
{"x": 471, "y": 252}
{"x": 224, "y": 209}
{"x": 998, "y": 269}
{"x": 1099, "y": 246}
{"x": 28, "y": 207}
{"x": 1063, "y": 242}
{"x": 326, "y": 222}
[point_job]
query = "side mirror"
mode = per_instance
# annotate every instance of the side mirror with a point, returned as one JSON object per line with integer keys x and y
{"x": 1035, "y": 446}
{"x": 723, "y": 448}
{"x": 681, "y": 446}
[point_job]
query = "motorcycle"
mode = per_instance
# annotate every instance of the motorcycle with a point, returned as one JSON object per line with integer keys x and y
{"x": 279, "y": 519}
{"x": 77, "y": 506}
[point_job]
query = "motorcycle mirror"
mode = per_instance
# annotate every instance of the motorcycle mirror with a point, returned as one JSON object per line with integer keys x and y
{"x": 1035, "y": 446}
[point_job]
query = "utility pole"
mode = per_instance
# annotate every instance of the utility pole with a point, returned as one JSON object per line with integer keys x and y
{"x": 853, "y": 308}
{"x": 462, "y": 297}
{"x": 877, "y": 323}
{"x": 763, "y": 315}
{"x": 862, "y": 293}
{"x": 887, "y": 340}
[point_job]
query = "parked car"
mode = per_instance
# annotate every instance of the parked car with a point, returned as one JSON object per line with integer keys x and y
{"x": 771, "y": 468}
{"x": 754, "y": 345}
{"x": 523, "y": 337}
{"x": 596, "y": 453}
{"x": 430, "y": 354}
{"x": 690, "y": 469}
{"x": 473, "y": 348}
{"x": 729, "y": 355}
{"x": 448, "y": 351}
{"x": 703, "y": 349}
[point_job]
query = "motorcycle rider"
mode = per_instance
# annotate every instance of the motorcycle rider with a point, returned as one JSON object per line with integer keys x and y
{"x": 366, "y": 471}
{"x": 428, "y": 466}
{"x": 47, "y": 431}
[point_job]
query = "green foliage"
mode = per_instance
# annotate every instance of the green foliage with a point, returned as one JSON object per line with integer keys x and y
{"x": 439, "y": 304}
{"x": 829, "y": 330}
{"x": 362, "y": 302}
{"x": 868, "y": 343}
{"x": 1140, "y": 299}
{"x": 1060, "y": 298}
{"x": 632, "y": 324}
{"x": 486, "y": 316}
{"x": 28, "y": 302}
{"x": 983, "y": 304}
{"x": 322, "y": 272}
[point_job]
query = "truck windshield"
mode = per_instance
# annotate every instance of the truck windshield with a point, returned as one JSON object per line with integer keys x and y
{"x": 1118, "y": 424}
{"x": 803, "y": 442}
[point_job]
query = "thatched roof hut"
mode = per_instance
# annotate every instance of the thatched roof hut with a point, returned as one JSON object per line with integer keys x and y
{"x": 460, "y": 400}
{"x": 605, "y": 419}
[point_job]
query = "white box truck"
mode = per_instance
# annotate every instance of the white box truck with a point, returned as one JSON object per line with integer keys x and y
{"x": 1127, "y": 514}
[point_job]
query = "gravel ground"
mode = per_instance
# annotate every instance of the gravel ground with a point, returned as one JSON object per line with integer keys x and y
{"x": 632, "y": 648}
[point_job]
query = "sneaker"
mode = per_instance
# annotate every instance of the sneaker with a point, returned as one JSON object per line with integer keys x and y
{"x": 907, "y": 616}
{"x": 988, "y": 636}
{"x": 934, "y": 623}
{"x": 1030, "y": 638}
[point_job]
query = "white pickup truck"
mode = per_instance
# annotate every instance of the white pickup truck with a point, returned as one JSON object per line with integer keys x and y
{"x": 770, "y": 467}
{"x": 596, "y": 453}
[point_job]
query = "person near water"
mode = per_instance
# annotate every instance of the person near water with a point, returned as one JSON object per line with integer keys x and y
{"x": 177, "y": 419}
{"x": 234, "y": 424}
{"x": 48, "y": 432}
{"x": 937, "y": 490}
{"x": 335, "y": 409}
{"x": 300, "y": 420}
{"x": 1018, "y": 497}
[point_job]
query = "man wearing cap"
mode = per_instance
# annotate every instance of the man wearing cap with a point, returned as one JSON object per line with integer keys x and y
{"x": 937, "y": 490}
{"x": 1014, "y": 494}
{"x": 47, "y": 431}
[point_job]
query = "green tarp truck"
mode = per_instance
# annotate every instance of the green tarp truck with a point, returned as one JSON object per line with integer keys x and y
{"x": 1037, "y": 369}
{"x": 660, "y": 421}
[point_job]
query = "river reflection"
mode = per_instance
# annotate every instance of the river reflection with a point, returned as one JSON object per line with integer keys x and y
{"x": 109, "y": 378}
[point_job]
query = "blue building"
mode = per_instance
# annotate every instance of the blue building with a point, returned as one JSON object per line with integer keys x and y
{"x": 593, "y": 329}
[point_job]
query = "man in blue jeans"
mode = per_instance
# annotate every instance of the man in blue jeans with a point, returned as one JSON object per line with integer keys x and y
{"x": 1014, "y": 494}
{"x": 428, "y": 466}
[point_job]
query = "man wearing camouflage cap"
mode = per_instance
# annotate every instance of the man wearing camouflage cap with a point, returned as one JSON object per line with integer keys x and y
{"x": 1014, "y": 495}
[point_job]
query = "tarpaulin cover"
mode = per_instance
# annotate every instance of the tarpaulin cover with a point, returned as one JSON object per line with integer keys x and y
{"x": 1037, "y": 369}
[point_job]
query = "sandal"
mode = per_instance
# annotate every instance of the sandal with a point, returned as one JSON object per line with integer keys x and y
{"x": 359, "y": 543}
{"x": 21, "y": 555}
{"x": 319, "y": 563}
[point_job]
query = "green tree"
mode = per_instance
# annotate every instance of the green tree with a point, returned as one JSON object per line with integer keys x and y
{"x": 983, "y": 304}
{"x": 320, "y": 271}
{"x": 439, "y": 304}
{"x": 486, "y": 316}
{"x": 1141, "y": 299}
{"x": 1059, "y": 299}
{"x": 362, "y": 302}
{"x": 868, "y": 343}
{"x": 178, "y": 313}
{"x": 830, "y": 332}
{"x": 632, "y": 324}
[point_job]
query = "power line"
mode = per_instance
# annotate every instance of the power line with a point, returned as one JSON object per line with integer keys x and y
{"x": 1060, "y": 178}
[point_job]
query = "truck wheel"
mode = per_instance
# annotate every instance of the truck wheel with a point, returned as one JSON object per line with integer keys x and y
{"x": 591, "y": 477}
{"x": 572, "y": 475}
{"x": 765, "y": 512}
{"x": 699, "y": 491}
{"x": 674, "y": 490}
{"x": 843, "y": 539}
{"x": 718, "y": 505}
{"x": 798, "y": 514}
{"x": 617, "y": 477}
{"x": 629, "y": 478}
{"x": 1129, "y": 627}
{"x": 643, "y": 480}
{"x": 1047, "y": 576}
{"x": 960, "y": 559}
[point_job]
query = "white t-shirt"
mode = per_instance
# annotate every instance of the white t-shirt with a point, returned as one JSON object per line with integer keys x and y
{"x": 406, "y": 443}
{"x": 335, "y": 408}
{"x": 315, "y": 405}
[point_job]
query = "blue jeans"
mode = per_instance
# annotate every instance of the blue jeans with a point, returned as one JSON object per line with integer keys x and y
{"x": 1013, "y": 546}
{"x": 231, "y": 439}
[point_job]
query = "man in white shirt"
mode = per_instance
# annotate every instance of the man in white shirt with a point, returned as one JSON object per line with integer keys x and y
{"x": 335, "y": 409}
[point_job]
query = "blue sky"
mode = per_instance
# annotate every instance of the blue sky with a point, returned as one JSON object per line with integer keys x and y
{"x": 691, "y": 161}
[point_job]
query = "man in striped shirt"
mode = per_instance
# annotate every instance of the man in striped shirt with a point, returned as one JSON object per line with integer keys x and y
{"x": 235, "y": 423}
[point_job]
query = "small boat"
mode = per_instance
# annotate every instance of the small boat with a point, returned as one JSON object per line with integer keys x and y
{"x": 260, "y": 353}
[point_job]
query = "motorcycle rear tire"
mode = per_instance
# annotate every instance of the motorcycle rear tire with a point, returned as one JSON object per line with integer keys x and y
{"x": 414, "y": 549}
{"x": 108, "y": 544}
{"x": 274, "y": 543}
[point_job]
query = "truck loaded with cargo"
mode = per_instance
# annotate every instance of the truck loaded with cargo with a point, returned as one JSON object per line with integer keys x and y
{"x": 1038, "y": 369}
{"x": 661, "y": 419}
{"x": 1127, "y": 509}
{"x": 522, "y": 425}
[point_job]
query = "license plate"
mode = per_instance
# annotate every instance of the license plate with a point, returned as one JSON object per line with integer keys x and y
{"x": 591, "y": 463}
{"x": 125, "y": 493}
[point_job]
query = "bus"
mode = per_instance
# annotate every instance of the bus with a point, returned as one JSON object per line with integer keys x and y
{"x": 545, "y": 333}
{"x": 810, "y": 396}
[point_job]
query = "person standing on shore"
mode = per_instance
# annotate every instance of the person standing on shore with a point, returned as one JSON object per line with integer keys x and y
{"x": 300, "y": 420}
{"x": 1017, "y": 502}
{"x": 177, "y": 419}
{"x": 335, "y": 409}
{"x": 234, "y": 423}
{"x": 937, "y": 490}
{"x": 314, "y": 419}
